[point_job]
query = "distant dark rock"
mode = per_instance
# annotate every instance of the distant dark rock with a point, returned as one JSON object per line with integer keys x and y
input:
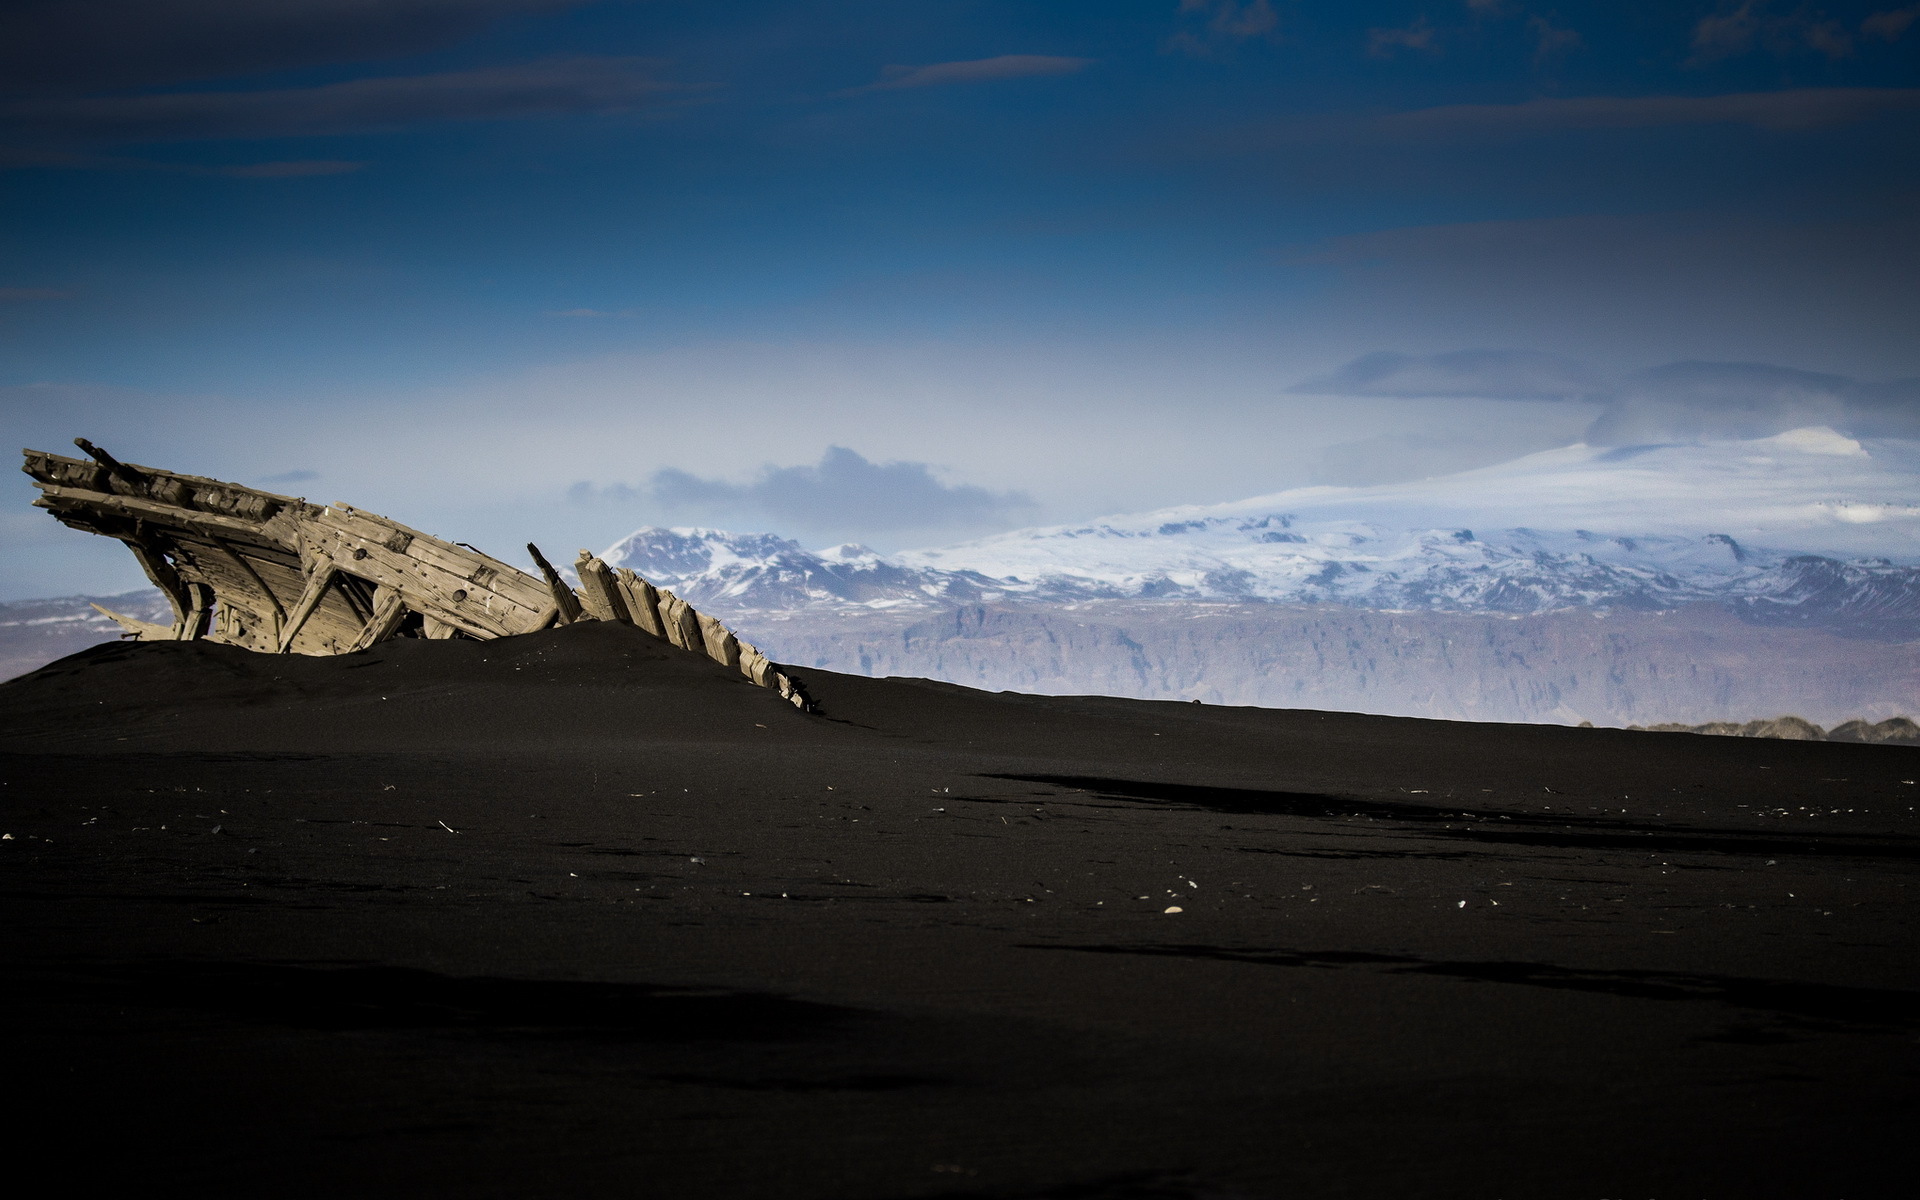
{"x": 1894, "y": 731}
{"x": 1897, "y": 731}
{"x": 1859, "y": 599}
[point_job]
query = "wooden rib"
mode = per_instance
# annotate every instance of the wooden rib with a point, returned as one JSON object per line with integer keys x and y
{"x": 643, "y": 602}
{"x": 240, "y": 560}
{"x": 162, "y": 575}
{"x": 193, "y": 625}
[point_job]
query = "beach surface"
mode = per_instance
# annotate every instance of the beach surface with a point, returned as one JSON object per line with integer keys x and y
{"x": 578, "y": 913}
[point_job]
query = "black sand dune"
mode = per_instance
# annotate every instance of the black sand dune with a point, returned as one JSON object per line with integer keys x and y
{"x": 581, "y": 914}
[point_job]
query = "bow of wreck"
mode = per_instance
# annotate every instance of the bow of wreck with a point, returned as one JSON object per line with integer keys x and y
{"x": 279, "y": 575}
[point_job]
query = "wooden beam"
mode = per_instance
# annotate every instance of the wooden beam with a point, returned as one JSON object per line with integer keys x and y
{"x": 388, "y": 611}
{"x": 318, "y": 579}
{"x": 113, "y": 466}
{"x": 145, "y": 631}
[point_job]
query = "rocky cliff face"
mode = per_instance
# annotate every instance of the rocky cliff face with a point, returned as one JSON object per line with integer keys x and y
{"x": 1693, "y": 666}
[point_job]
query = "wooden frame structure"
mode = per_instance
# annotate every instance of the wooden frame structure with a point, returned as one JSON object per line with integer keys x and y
{"x": 280, "y": 575}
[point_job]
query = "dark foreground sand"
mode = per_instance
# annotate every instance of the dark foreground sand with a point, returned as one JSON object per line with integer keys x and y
{"x": 580, "y": 914}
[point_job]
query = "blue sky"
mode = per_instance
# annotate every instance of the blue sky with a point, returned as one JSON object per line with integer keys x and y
{"x": 584, "y": 265}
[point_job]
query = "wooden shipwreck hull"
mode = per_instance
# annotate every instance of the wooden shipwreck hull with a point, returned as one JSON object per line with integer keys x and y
{"x": 279, "y": 575}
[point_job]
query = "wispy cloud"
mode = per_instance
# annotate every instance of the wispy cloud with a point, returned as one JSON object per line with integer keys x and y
{"x": 1683, "y": 401}
{"x": 977, "y": 70}
{"x": 1480, "y": 374}
{"x": 556, "y": 86}
{"x": 1385, "y": 43}
{"x": 1238, "y": 19}
{"x": 1693, "y": 400}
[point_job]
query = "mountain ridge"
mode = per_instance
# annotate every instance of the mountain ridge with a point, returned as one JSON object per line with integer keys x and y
{"x": 1787, "y": 542}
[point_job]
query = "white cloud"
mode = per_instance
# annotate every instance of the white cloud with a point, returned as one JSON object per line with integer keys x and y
{"x": 844, "y": 497}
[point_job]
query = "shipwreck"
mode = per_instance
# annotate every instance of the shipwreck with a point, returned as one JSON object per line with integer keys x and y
{"x": 280, "y": 575}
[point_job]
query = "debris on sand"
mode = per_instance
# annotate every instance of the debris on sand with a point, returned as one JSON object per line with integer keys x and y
{"x": 279, "y": 575}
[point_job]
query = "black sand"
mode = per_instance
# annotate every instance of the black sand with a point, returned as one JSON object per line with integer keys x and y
{"x": 580, "y": 914}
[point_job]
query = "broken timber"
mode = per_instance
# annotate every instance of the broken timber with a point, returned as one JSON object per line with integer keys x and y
{"x": 279, "y": 575}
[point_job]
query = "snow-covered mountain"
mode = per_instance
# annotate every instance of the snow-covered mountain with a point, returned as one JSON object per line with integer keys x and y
{"x": 1805, "y": 528}
{"x": 712, "y": 568}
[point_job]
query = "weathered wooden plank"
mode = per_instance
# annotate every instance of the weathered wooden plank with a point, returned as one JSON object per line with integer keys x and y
{"x": 643, "y": 602}
{"x": 599, "y": 593}
{"x": 717, "y": 640}
{"x": 682, "y": 628}
{"x": 354, "y": 529}
{"x": 463, "y": 561}
{"x": 755, "y": 665}
{"x": 483, "y": 611}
